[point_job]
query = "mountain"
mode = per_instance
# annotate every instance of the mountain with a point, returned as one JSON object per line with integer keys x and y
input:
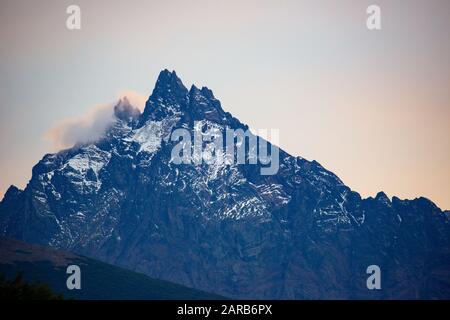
{"x": 224, "y": 227}
{"x": 99, "y": 280}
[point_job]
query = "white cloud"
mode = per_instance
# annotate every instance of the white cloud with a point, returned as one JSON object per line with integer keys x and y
{"x": 91, "y": 126}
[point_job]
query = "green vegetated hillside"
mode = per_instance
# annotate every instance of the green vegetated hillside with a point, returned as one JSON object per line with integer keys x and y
{"x": 99, "y": 280}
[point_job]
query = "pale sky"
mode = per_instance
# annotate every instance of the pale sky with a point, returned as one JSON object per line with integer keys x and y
{"x": 371, "y": 106}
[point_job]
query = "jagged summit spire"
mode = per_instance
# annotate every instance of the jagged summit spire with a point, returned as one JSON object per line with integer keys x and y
{"x": 12, "y": 191}
{"x": 168, "y": 97}
{"x": 381, "y": 196}
{"x": 193, "y": 89}
{"x": 204, "y": 91}
{"x": 208, "y": 93}
{"x": 125, "y": 111}
{"x": 169, "y": 81}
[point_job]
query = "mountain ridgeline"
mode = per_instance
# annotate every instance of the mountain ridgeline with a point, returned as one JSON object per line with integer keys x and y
{"x": 225, "y": 228}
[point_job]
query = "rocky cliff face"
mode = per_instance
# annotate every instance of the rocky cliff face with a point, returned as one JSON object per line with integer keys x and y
{"x": 225, "y": 228}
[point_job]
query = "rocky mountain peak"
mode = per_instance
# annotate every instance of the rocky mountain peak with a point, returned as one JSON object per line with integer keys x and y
{"x": 169, "y": 97}
{"x": 12, "y": 192}
{"x": 123, "y": 110}
{"x": 298, "y": 234}
{"x": 382, "y": 197}
{"x": 169, "y": 84}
